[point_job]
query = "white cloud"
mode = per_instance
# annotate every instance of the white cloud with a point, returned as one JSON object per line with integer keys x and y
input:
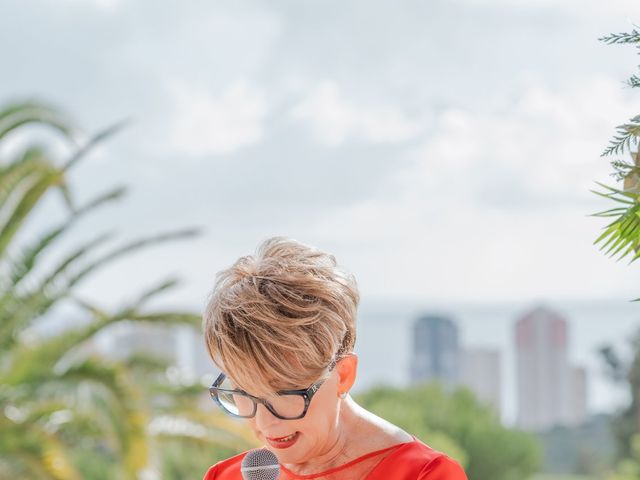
{"x": 333, "y": 119}
{"x": 495, "y": 204}
{"x": 546, "y": 143}
{"x": 208, "y": 124}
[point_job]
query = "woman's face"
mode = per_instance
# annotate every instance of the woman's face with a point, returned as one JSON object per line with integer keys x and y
{"x": 298, "y": 441}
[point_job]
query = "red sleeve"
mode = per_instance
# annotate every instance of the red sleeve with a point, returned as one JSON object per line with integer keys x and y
{"x": 211, "y": 474}
{"x": 442, "y": 468}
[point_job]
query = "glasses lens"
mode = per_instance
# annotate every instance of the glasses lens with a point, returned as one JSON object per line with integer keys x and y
{"x": 239, "y": 404}
{"x": 236, "y": 404}
{"x": 288, "y": 406}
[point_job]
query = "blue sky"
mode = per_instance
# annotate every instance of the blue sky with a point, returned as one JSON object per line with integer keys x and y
{"x": 442, "y": 150}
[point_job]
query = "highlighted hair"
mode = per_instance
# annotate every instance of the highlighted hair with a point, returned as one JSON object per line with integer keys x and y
{"x": 276, "y": 320}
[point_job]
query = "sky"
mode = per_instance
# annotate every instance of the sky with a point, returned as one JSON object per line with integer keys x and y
{"x": 444, "y": 151}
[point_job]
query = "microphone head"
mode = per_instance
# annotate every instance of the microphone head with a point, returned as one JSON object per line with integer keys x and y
{"x": 260, "y": 464}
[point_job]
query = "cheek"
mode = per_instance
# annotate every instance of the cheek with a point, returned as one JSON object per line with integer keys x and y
{"x": 322, "y": 417}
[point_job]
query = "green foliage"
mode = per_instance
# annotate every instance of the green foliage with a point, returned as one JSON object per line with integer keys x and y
{"x": 459, "y": 425}
{"x": 629, "y": 467}
{"x": 625, "y": 371}
{"x": 65, "y": 413}
{"x": 200, "y": 458}
{"x": 545, "y": 476}
{"x": 621, "y": 237}
{"x": 633, "y": 81}
{"x": 627, "y": 37}
{"x": 625, "y": 138}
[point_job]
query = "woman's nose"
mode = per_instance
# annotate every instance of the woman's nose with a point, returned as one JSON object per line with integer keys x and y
{"x": 264, "y": 418}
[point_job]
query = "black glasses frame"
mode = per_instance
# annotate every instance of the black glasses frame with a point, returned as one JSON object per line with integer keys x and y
{"x": 306, "y": 393}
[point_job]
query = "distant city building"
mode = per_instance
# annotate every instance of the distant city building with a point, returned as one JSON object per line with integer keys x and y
{"x": 578, "y": 396}
{"x": 436, "y": 354}
{"x": 191, "y": 354}
{"x": 546, "y": 391}
{"x": 181, "y": 346}
{"x": 127, "y": 338}
{"x": 481, "y": 373}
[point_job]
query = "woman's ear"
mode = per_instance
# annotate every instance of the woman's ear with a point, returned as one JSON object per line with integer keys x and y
{"x": 347, "y": 368}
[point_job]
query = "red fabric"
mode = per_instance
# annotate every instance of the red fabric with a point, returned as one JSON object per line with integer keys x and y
{"x": 406, "y": 461}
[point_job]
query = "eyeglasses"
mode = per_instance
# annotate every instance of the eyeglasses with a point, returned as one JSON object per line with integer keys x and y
{"x": 285, "y": 405}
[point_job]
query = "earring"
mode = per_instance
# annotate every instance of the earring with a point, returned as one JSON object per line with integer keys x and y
{"x": 343, "y": 395}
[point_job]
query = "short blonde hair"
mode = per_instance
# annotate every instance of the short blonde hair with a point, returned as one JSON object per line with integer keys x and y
{"x": 276, "y": 320}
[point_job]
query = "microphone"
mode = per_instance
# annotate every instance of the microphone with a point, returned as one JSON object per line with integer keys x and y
{"x": 260, "y": 464}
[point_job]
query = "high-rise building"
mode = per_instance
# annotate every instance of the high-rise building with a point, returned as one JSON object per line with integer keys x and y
{"x": 128, "y": 338}
{"x": 436, "y": 354}
{"x": 191, "y": 354}
{"x": 181, "y": 347}
{"x": 544, "y": 377}
{"x": 481, "y": 373}
{"x": 578, "y": 398}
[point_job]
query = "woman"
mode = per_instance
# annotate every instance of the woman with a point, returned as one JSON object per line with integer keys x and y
{"x": 281, "y": 327}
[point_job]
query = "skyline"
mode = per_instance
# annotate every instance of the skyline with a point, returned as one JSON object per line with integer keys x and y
{"x": 387, "y": 327}
{"x": 492, "y": 326}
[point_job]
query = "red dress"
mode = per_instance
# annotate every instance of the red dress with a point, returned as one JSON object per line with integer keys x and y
{"x": 406, "y": 461}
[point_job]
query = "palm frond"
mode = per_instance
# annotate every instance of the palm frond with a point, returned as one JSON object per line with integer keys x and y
{"x": 20, "y": 314}
{"x": 621, "y": 237}
{"x": 25, "y": 205}
{"x": 133, "y": 418}
{"x": 15, "y": 115}
{"x": 93, "y": 141}
{"x": 202, "y": 429}
{"x": 625, "y": 138}
{"x": 154, "y": 291}
{"x": 78, "y": 254}
{"x": 111, "y": 402}
{"x": 44, "y": 454}
{"x": 24, "y": 264}
{"x": 33, "y": 162}
{"x": 619, "y": 38}
{"x": 130, "y": 248}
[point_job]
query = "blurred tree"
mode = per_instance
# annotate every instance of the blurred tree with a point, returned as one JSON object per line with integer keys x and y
{"x": 626, "y": 372}
{"x": 585, "y": 449}
{"x": 65, "y": 413}
{"x": 459, "y": 425}
{"x": 629, "y": 467}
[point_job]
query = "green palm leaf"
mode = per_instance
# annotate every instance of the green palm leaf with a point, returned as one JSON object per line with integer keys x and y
{"x": 18, "y": 114}
{"x": 23, "y": 265}
{"x": 621, "y": 237}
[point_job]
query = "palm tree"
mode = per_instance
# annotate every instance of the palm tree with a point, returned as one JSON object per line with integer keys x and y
{"x": 60, "y": 404}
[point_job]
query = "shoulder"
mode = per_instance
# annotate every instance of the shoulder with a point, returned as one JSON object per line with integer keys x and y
{"x": 416, "y": 460}
{"x": 228, "y": 469}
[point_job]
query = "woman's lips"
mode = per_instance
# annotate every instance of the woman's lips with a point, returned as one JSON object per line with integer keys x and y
{"x": 283, "y": 442}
